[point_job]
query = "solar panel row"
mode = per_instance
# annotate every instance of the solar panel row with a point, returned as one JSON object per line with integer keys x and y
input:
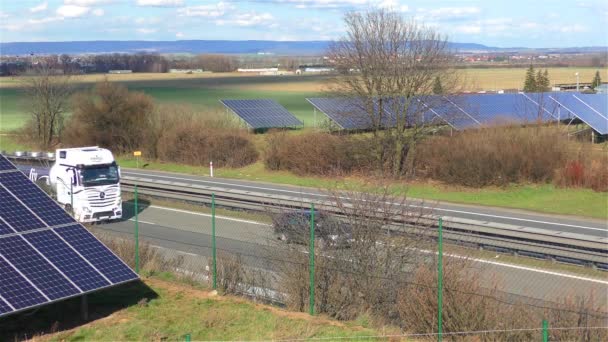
{"x": 262, "y": 113}
{"x": 44, "y": 254}
{"x": 475, "y": 110}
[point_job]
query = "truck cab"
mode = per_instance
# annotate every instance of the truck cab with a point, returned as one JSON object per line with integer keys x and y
{"x": 87, "y": 183}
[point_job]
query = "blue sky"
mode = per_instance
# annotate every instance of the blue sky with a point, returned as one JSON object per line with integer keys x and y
{"x": 528, "y": 23}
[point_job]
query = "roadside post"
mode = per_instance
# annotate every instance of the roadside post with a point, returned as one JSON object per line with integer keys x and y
{"x": 311, "y": 254}
{"x": 213, "y": 246}
{"x": 545, "y": 330}
{"x": 137, "y": 155}
{"x": 440, "y": 282}
{"x": 136, "y": 208}
{"x": 211, "y": 168}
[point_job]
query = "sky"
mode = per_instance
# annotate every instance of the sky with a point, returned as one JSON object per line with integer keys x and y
{"x": 511, "y": 23}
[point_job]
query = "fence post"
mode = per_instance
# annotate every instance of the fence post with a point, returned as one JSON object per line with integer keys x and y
{"x": 440, "y": 283}
{"x": 545, "y": 330}
{"x": 213, "y": 246}
{"x": 311, "y": 304}
{"x": 188, "y": 337}
{"x": 136, "y": 208}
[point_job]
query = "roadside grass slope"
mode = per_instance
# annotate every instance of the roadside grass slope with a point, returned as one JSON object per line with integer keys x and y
{"x": 180, "y": 309}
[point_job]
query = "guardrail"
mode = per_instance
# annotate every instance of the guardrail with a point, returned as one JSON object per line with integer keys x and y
{"x": 533, "y": 242}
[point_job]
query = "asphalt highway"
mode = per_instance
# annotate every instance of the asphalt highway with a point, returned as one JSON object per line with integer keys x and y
{"x": 484, "y": 215}
{"x": 189, "y": 233}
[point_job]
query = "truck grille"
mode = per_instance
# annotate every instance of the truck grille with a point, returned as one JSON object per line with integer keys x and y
{"x": 99, "y": 198}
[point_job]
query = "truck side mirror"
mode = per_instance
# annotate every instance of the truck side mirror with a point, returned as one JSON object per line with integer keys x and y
{"x": 74, "y": 179}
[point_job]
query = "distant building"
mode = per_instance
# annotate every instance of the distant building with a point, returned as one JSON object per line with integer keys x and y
{"x": 258, "y": 70}
{"x": 120, "y": 72}
{"x": 186, "y": 71}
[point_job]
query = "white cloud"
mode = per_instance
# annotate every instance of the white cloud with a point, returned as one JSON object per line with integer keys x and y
{"x": 87, "y": 3}
{"x": 179, "y": 35}
{"x": 576, "y": 28}
{"x": 98, "y": 12}
{"x": 43, "y": 20}
{"x": 468, "y": 29}
{"x": 146, "y": 30}
{"x": 249, "y": 19}
{"x": 254, "y": 19}
{"x": 449, "y": 13}
{"x": 160, "y": 3}
{"x": 39, "y": 8}
{"x": 72, "y": 11}
{"x": 3, "y": 15}
{"x": 338, "y": 3}
{"x": 209, "y": 11}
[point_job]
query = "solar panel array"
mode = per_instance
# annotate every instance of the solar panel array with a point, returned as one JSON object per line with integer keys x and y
{"x": 473, "y": 110}
{"x": 45, "y": 255}
{"x": 262, "y": 113}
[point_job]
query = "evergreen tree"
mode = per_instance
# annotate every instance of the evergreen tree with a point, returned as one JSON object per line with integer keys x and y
{"x": 530, "y": 82}
{"x": 542, "y": 81}
{"x": 546, "y": 81}
{"x": 596, "y": 80}
{"x": 437, "y": 87}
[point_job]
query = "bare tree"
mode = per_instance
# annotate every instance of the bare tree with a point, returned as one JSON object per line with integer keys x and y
{"x": 48, "y": 93}
{"x": 392, "y": 64}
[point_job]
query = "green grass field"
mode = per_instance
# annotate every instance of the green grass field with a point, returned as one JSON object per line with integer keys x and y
{"x": 204, "y": 91}
{"x": 179, "y": 309}
{"x": 199, "y": 93}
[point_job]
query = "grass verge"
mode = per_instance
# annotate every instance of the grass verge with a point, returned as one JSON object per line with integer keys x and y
{"x": 539, "y": 198}
{"x": 180, "y": 309}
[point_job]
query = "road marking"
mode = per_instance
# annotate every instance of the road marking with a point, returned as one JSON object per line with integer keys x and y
{"x": 144, "y": 222}
{"x": 415, "y": 206}
{"x": 209, "y": 215}
{"x": 523, "y": 268}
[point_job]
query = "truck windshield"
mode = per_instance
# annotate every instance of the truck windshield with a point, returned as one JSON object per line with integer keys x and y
{"x": 99, "y": 175}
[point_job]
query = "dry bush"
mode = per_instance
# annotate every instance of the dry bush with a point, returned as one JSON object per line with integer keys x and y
{"x": 493, "y": 156}
{"x": 110, "y": 116}
{"x": 196, "y": 138}
{"x": 361, "y": 277}
{"x": 230, "y": 273}
{"x": 588, "y": 169}
{"x": 469, "y": 307}
{"x": 316, "y": 153}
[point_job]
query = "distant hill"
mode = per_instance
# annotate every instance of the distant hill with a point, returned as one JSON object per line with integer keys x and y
{"x": 301, "y": 48}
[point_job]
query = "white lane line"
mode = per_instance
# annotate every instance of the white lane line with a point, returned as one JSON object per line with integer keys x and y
{"x": 523, "y": 268}
{"x": 144, "y": 222}
{"x": 412, "y": 205}
{"x": 209, "y": 215}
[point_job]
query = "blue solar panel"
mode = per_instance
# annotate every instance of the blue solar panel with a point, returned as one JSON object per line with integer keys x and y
{"x": 580, "y": 106}
{"x": 262, "y": 113}
{"x": 16, "y": 290}
{"x": 353, "y": 113}
{"x": 66, "y": 259}
{"x": 24, "y": 258}
{"x": 5, "y": 164}
{"x": 4, "y": 228}
{"x": 35, "y": 199}
{"x": 96, "y": 253}
{"x": 15, "y": 214}
{"x": 42, "y": 259}
{"x": 4, "y": 308}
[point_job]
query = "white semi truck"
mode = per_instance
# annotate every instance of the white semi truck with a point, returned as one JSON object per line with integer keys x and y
{"x": 87, "y": 181}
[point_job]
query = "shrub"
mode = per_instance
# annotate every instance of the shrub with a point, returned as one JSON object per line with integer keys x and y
{"x": 195, "y": 142}
{"x": 493, "y": 156}
{"x": 110, "y": 116}
{"x": 316, "y": 153}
